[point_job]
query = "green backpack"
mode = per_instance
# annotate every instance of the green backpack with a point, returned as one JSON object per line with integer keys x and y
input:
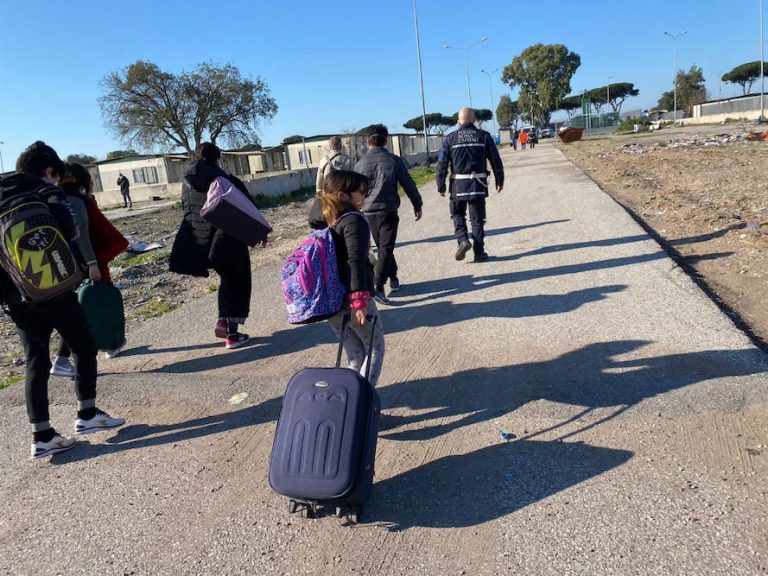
{"x": 34, "y": 252}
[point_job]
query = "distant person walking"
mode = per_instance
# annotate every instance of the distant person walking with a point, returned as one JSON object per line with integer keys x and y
{"x": 523, "y": 139}
{"x": 385, "y": 171}
{"x": 125, "y": 190}
{"x": 336, "y": 159}
{"x": 38, "y": 170}
{"x": 466, "y": 152}
{"x": 514, "y": 136}
{"x": 199, "y": 246}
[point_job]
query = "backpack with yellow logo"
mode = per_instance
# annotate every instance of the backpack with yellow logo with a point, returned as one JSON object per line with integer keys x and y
{"x": 34, "y": 251}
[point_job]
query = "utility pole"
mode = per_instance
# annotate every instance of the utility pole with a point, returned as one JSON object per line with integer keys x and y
{"x": 762, "y": 118}
{"x": 674, "y": 68}
{"x": 421, "y": 83}
{"x": 490, "y": 85}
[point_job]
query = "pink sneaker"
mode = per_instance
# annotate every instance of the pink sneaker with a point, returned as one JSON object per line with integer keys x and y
{"x": 236, "y": 340}
{"x": 221, "y": 329}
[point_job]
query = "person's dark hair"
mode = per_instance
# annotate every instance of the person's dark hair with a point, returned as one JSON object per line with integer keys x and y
{"x": 37, "y": 158}
{"x": 377, "y": 134}
{"x": 76, "y": 178}
{"x": 340, "y": 181}
{"x": 208, "y": 152}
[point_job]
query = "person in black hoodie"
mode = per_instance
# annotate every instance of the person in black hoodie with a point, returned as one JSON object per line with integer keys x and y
{"x": 200, "y": 246}
{"x": 38, "y": 171}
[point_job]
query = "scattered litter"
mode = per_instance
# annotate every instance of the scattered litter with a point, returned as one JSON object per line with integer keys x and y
{"x": 237, "y": 398}
{"x": 694, "y": 141}
{"x": 139, "y": 247}
{"x": 758, "y": 136}
{"x": 507, "y": 435}
{"x": 753, "y": 225}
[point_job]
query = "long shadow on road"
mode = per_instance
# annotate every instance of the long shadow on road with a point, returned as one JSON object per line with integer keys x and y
{"x": 445, "y": 312}
{"x": 489, "y": 232}
{"x": 471, "y": 489}
{"x": 453, "y": 285}
{"x": 595, "y": 376}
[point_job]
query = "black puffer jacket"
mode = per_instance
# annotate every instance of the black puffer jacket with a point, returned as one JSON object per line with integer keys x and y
{"x": 351, "y": 236}
{"x": 199, "y": 245}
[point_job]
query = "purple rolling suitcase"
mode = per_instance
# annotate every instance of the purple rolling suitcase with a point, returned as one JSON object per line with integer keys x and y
{"x": 228, "y": 209}
{"x": 325, "y": 443}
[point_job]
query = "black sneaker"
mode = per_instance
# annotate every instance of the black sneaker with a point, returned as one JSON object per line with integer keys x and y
{"x": 236, "y": 340}
{"x": 381, "y": 298}
{"x": 482, "y": 257}
{"x": 464, "y": 247}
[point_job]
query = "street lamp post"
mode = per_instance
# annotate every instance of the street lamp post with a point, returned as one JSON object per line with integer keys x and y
{"x": 2, "y": 168}
{"x": 674, "y": 68}
{"x": 762, "y": 118}
{"x": 421, "y": 83}
{"x": 466, "y": 62}
{"x": 608, "y": 92}
{"x": 490, "y": 85}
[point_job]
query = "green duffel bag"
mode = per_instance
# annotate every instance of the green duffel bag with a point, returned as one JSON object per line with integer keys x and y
{"x": 103, "y": 307}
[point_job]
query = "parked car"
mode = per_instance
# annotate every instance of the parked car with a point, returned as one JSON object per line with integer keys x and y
{"x": 546, "y": 133}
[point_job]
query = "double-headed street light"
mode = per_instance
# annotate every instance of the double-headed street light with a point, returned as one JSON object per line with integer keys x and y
{"x": 674, "y": 68}
{"x": 466, "y": 61}
{"x": 490, "y": 85}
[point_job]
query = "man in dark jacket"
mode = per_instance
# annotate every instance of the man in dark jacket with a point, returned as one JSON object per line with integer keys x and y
{"x": 38, "y": 170}
{"x": 125, "y": 190}
{"x": 467, "y": 151}
{"x": 385, "y": 171}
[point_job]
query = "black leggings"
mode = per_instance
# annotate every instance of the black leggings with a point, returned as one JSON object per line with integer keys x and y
{"x": 35, "y": 323}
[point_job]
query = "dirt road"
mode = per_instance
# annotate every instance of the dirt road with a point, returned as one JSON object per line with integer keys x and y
{"x": 634, "y": 414}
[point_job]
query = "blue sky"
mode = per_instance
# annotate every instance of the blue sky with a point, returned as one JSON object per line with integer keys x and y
{"x": 345, "y": 64}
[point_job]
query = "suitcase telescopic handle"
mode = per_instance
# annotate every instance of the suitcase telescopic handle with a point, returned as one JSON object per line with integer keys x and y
{"x": 344, "y": 321}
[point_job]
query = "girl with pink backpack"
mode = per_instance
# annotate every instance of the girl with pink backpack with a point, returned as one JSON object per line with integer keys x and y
{"x": 342, "y": 202}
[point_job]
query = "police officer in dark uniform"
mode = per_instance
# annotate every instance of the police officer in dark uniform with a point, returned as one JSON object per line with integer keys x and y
{"x": 467, "y": 151}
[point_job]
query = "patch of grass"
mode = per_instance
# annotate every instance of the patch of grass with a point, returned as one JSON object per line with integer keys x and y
{"x": 153, "y": 309}
{"x": 129, "y": 259}
{"x": 301, "y": 194}
{"x": 211, "y": 288}
{"x": 11, "y": 380}
{"x": 422, "y": 175}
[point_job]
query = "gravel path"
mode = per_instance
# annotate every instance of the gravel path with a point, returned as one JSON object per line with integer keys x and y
{"x": 634, "y": 414}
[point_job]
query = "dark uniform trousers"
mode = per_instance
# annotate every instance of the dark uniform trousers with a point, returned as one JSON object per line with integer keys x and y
{"x": 476, "y": 217}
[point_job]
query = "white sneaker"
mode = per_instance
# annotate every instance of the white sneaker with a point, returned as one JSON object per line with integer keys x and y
{"x": 56, "y": 444}
{"x": 112, "y": 353}
{"x": 65, "y": 369}
{"x": 101, "y": 421}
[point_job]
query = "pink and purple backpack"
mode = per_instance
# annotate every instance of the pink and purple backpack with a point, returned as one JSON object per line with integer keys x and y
{"x": 310, "y": 279}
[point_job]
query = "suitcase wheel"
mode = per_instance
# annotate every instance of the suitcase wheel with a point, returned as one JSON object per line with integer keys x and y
{"x": 291, "y": 506}
{"x": 355, "y": 513}
{"x": 307, "y": 512}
